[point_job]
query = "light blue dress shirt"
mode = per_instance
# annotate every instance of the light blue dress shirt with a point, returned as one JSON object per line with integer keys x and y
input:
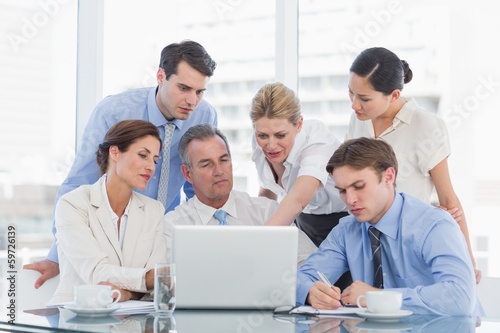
{"x": 133, "y": 104}
{"x": 424, "y": 256}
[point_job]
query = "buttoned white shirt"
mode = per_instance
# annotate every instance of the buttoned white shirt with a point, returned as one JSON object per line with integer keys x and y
{"x": 114, "y": 218}
{"x": 312, "y": 149}
{"x": 241, "y": 208}
{"x": 420, "y": 141}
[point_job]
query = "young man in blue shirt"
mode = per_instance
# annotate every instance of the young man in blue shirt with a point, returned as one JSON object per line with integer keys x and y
{"x": 423, "y": 253}
{"x": 175, "y": 103}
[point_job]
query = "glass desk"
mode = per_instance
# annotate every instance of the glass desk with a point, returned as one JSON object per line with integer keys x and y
{"x": 184, "y": 321}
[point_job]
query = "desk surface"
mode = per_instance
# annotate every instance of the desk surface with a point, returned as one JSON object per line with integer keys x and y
{"x": 185, "y": 321}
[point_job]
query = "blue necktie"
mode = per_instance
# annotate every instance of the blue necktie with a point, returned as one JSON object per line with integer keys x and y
{"x": 220, "y": 215}
{"x": 378, "y": 279}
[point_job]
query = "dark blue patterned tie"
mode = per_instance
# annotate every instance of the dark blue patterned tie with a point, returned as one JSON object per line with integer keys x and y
{"x": 378, "y": 279}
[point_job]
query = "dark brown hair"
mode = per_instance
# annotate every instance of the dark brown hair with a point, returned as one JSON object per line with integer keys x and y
{"x": 189, "y": 51}
{"x": 362, "y": 153}
{"x": 383, "y": 69}
{"x": 122, "y": 135}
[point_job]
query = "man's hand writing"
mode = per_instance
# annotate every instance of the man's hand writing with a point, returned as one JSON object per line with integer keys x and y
{"x": 322, "y": 296}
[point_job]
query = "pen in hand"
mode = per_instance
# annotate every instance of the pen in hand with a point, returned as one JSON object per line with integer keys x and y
{"x": 325, "y": 280}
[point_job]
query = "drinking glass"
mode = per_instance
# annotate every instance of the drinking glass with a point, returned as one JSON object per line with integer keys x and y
{"x": 164, "y": 294}
{"x": 164, "y": 324}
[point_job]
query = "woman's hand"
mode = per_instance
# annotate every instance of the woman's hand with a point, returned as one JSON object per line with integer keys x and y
{"x": 478, "y": 274}
{"x": 454, "y": 212}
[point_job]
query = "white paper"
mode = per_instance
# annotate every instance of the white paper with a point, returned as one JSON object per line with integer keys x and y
{"x": 29, "y": 297}
{"x": 305, "y": 309}
{"x": 134, "y": 307}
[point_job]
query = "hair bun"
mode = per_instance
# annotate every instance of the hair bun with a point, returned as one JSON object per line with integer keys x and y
{"x": 408, "y": 74}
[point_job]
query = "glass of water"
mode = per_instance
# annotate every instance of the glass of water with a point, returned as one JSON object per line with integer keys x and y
{"x": 164, "y": 294}
{"x": 164, "y": 324}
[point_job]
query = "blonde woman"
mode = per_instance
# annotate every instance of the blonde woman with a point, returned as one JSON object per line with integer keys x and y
{"x": 291, "y": 154}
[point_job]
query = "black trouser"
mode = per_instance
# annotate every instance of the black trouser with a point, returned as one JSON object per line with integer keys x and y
{"x": 317, "y": 227}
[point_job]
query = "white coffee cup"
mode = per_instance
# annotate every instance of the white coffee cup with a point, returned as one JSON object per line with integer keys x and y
{"x": 382, "y": 301}
{"x": 95, "y": 296}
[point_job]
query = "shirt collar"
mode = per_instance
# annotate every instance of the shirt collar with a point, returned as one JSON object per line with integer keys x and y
{"x": 113, "y": 215}
{"x": 206, "y": 212}
{"x": 114, "y": 218}
{"x": 406, "y": 113}
{"x": 389, "y": 223}
{"x": 299, "y": 141}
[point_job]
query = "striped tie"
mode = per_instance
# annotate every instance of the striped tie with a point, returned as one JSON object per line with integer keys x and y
{"x": 165, "y": 164}
{"x": 378, "y": 279}
{"x": 220, "y": 215}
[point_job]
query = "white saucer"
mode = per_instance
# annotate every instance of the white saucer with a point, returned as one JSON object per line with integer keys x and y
{"x": 384, "y": 317}
{"x": 93, "y": 312}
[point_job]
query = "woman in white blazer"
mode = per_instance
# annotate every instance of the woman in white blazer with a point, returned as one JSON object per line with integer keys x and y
{"x": 106, "y": 232}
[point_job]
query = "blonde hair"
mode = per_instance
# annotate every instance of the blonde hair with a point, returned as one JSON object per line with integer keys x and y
{"x": 275, "y": 100}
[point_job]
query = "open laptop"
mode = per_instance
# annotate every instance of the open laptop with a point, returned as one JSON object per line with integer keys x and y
{"x": 235, "y": 267}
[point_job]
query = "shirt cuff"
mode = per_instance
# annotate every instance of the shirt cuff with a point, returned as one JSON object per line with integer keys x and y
{"x": 52, "y": 256}
{"x": 134, "y": 279}
{"x": 303, "y": 288}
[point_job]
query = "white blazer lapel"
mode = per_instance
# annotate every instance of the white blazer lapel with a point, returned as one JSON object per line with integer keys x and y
{"x": 134, "y": 225}
{"x": 102, "y": 214}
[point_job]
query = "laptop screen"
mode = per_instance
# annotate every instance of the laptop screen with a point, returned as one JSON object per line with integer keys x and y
{"x": 235, "y": 267}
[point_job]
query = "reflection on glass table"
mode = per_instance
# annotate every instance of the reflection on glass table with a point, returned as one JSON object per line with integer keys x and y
{"x": 184, "y": 321}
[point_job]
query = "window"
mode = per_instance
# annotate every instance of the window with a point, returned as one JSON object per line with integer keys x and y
{"x": 38, "y": 102}
{"x": 448, "y": 46}
{"x": 449, "y": 49}
{"x": 239, "y": 35}
{"x": 37, "y": 112}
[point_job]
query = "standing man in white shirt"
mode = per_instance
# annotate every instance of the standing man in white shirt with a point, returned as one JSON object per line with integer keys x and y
{"x": 207, "y": 165}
